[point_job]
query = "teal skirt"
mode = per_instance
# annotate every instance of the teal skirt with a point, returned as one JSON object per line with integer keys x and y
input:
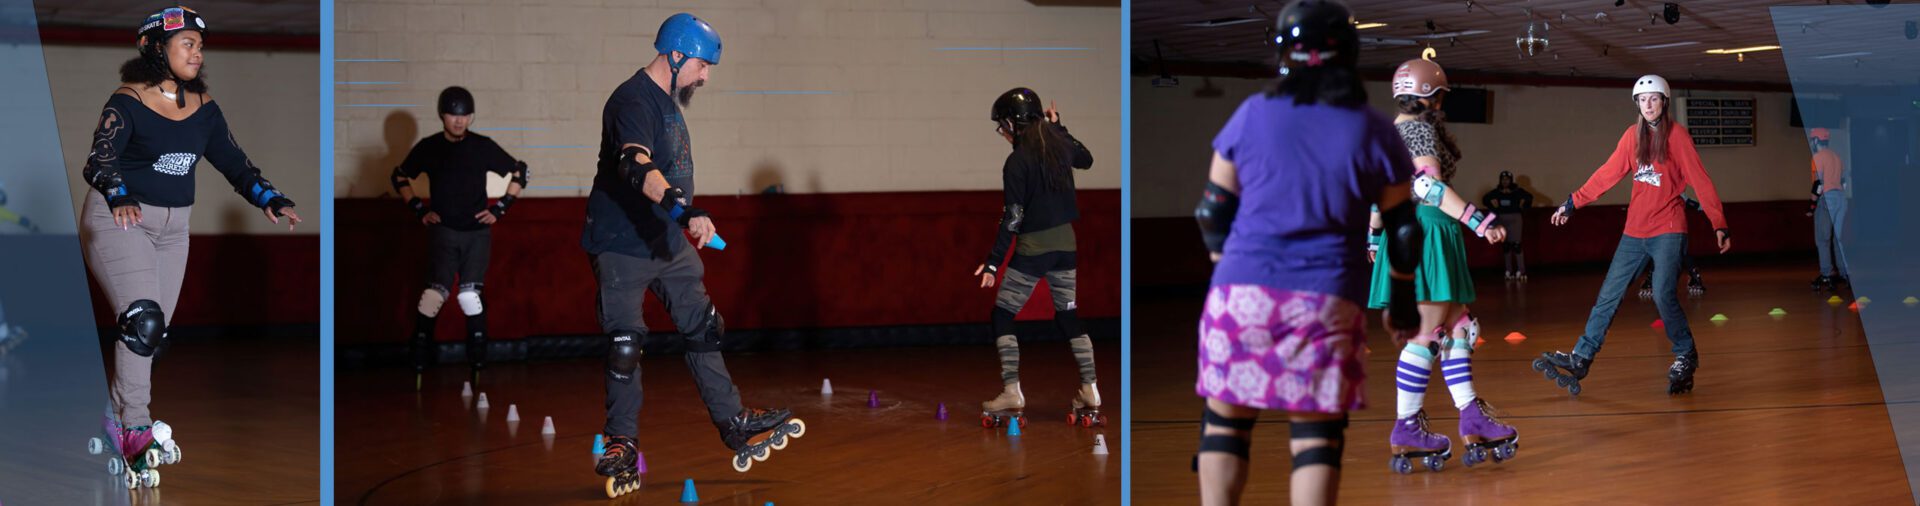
{"x": 1442, "y": 275}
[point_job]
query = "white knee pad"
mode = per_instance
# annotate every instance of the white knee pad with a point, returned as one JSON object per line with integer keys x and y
{"x": 469, "y": 302}
{"x": 431, "y": 300}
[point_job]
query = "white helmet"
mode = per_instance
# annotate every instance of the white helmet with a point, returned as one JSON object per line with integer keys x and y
{"x": 1651, "y": 84}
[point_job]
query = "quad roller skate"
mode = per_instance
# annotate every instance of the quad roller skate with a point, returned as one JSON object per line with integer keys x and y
{"x": 1565, "y": 369}
{"x": 1485, "y": 436}
{"x": 1694, "y": 286}
{"x": 1646, "y": 288}
{"x": 1680, "y": 374}
{"x": 620, "y": 463}
{"x": 1006, "y": 408}
{"x": 1412, "y": 441}
{"x": 755, "y": 434}
{"x": 137, "y": 451}
{"x": 1086, "y": 408}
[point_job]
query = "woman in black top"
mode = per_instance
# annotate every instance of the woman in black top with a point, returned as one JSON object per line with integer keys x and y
{"x": 1040, "y": 209}
{"x": 152, "y": 133}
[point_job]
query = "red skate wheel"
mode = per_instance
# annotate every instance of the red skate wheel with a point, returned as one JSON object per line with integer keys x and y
{"x": 986, "y": 421}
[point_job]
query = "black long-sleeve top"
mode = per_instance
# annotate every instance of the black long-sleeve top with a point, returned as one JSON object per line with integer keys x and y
{"x": 1030, "y": 204}
{"x": 140, "y": 156}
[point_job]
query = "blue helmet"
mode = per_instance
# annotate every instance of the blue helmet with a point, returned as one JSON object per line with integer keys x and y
{"x": 689, "y": 35}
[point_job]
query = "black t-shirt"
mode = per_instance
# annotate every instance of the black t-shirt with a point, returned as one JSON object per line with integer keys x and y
{"x": 620, "y": 218}
{"x": 155, "y": 156}
{"x": 459, "y": 171}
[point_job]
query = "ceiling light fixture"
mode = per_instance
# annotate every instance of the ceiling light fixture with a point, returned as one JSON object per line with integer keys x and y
{"x": 1843, "y": 55}
{"x": 1742, "y": 50}
{"x": 1667, "y": 45}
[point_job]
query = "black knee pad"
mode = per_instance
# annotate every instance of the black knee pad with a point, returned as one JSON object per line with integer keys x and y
{"x": 1003, "y": 322}
{"x": 707, "y": 337}
{"x": 143, "y": 327}
{"x": 1235, "y": 445}
{"x": 1334, "y": 431}
{"x": 623, "y": 357}
{"x": 1069, "y": 322}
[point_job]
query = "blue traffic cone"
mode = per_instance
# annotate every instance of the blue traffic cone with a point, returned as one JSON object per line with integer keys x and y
{"x": 1013, "y": 426}
{"x": 687, "y": 494}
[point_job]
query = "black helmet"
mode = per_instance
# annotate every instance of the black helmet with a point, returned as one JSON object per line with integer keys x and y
{"x": 1314, "y": 33}
{"x": 1017, "y": 106}
{"x": 456, "y": 101}
{"x": 157, "y": 27}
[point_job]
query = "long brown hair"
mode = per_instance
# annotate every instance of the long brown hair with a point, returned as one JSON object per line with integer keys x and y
{"x": 1651, "y": 148}
{"x": 1043, "y": 141}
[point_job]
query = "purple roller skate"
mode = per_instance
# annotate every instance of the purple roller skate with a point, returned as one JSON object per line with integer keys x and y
{"x": 1411, "y": 440}
{"x": 1484, "y": 435}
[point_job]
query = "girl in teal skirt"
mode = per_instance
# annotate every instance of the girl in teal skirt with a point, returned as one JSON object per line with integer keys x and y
{"x": 1442, "y": 285}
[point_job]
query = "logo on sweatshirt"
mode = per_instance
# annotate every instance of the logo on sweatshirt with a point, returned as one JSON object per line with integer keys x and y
{"x": 1647, "y": 175}
{"x": 175, "y": 164}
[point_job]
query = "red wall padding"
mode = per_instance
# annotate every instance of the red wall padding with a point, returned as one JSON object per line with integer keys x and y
{"x": 792, "y": 261}
{"x": 242, "y": 280}
{"x": 1167, "y": 251}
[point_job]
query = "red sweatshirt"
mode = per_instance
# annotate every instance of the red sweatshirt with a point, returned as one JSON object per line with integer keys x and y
{"x": 1656, "y": 206}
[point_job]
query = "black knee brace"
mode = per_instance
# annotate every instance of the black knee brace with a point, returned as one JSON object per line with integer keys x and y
{"x": 1069, "y": 322}
{"x": 623, "y": 358}
{"x": 1236, "y": 445}
{"x": 143, "y": 327}
{"x": 1334, "y": 431}
{"x": 706, "y": 337}
{"x": 1003, "y": 322}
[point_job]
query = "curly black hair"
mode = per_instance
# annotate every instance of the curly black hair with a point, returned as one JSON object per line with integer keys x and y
{"x": 150, "y": 68}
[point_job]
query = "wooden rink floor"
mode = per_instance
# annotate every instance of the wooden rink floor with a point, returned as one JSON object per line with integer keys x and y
{"x": 246, "y": 413}
{"x": 396, "y": 446}
{"x": 1784, "y": 410}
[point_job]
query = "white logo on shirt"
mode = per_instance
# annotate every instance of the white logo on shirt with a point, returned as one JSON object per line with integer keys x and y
{"x": 175, "y": 164}
{"x": 1647, "y": 175}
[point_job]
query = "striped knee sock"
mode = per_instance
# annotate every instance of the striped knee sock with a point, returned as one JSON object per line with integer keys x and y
{"x": 1456, "y": 365}
{"x": 1415, "y": 370}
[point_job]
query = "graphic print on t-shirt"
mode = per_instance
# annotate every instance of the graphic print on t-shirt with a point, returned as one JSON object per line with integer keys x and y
{"x": 175, "y": 164}
{"x": 1647, "y": 175}
{"x": 682, "y": 151}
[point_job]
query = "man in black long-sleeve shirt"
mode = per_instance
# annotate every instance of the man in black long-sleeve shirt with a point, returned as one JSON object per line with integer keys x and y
{"x": 458, "y": 220}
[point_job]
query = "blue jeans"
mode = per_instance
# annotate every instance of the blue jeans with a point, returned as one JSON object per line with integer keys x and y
{"x": 1827, "y": 223}
{"x": 1666, "y": 252}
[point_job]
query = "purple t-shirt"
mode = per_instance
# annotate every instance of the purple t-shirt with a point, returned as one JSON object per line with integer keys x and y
{"x": 1308, "y": 175}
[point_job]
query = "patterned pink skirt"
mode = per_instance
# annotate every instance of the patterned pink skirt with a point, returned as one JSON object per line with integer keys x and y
{"x": 1282, "y": 350}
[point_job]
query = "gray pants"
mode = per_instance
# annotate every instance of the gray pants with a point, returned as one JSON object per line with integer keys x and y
{"x": 1829, "y": 221}
{"x": 146, "y": 261}
{"x": 679, "y": 283}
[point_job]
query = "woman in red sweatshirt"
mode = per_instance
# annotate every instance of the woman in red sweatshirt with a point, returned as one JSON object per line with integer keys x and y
{"x": 1660, "y": 156}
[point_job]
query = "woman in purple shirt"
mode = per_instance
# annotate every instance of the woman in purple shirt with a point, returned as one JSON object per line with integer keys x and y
{"x": 1285, "y": 215}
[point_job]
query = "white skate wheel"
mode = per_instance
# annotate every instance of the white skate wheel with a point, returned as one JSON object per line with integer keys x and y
{"x": 153, "y": 458}
{"x": 95, "y": 446}
{"x": 799, "y": 427}
{"x": 778, "y": 442}
{"x": 741, "y": 464}
{"x": 114, "y": 466}
{"x": 171, "y": 453}
{"x": 611, "y": 491}
{"x": 760, "y": 454}
{"x": 153, "y": 478}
